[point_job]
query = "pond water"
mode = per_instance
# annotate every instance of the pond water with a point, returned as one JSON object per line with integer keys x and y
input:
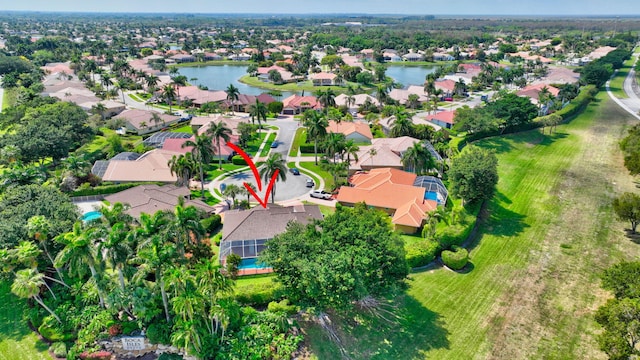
{"x": 409, "y": 75}
{"x": 219, "y": 77}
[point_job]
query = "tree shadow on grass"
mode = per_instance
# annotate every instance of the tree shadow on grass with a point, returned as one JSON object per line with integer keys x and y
{"x": 505, "y": 143}
{"x": 402, "y": 329}
{"x": 633, "y": 236}
{"x": 12, "y": 325}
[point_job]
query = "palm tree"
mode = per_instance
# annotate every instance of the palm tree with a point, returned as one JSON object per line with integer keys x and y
{"x": 186, "y": 225}
{"x": 99, "y": 109}
{"x": 326, "y": 99}
{"x": 244, "y": 191}
{"x": 413, "y": 101}
{"x": 233, "y": 94}
{"x": 233, "y": 190}
{"x": 214, "y": 287}
{"x": 202, "y": 152}
{"x": 183, "y": 167}
{"x": 417, "y": 158}
{"x": 372, "y": 152}
{"x": 259, "y": 112}
{"x": 219, "y": 131}
{"x": 38, "y": 228}
{"x": 334, "y": 143}
{"x": 106, "y": 81}
{"x": 402, "y": 125}
{"x": 350, "y": 148}
{"x": 76, "y": 165}
{"x": 115, "y": 248}
{"x": 79, "y": 251}
{"x": 151, "y": 81}
{"x": 274, "y": 164}
{"x": 169, "y": 93}
{"x": 27, "y": 285}
{"x": 121, "y": 85}
{"x": 316, "y": 125}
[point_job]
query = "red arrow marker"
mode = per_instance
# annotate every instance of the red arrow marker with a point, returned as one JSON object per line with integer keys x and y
{"x": 250, "y": 162}
{"x": 254, "y": 169}
{"x": 269, "y": 187}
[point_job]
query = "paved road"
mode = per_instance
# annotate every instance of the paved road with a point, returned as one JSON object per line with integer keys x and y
{"x": 632, "y": 103}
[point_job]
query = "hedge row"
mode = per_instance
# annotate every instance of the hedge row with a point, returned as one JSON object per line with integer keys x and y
{"x": 421, "y": 253}
{"x": 238, "y": 160}
{"x": 259, "y": 295}
{"x": 309, "y": 148}
{"x": 574, "y": 107}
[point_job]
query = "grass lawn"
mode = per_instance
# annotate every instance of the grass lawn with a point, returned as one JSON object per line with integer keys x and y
{"x": 617, "y": 83}
{"x": 267, "y": 145}
{"x": 298, "y": 139}
{"x": 253, "y": 145}
{"x": 17, "y": 341}
{"x": 533, "y": 288}
{"x": 183, "y": 129}
{"x": 312, "y": 167}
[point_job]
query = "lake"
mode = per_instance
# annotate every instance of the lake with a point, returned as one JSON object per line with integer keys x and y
{"x": 409, "y": 75}
{"x": 219, "y": 77}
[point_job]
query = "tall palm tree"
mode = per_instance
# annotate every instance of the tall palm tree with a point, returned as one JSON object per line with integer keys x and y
{"x": 219, "y": 131}
{"x": 214, "y": 287}
{"x": 169, "y": 93}
{"x": 183, "y": 167}
{"x": 274, "y": 163}
{"x": 233, "y": 94}
{"x": 115, "y": 249}
{"x": 351, "y": 149}
{"x": 316, "y": 125}
{"x": 244, "y": 191}
{"x": 106, "y": 81}
{"x": 232, "y": 191}
{"x": 202, "y": 152}
{"x": 326, "y": 98}
{"x": 99, "y": 109}
{"x": 186, "y": 225}
{"x": 79, "y": 252}
{"x": 151, "y": 81}
{"x": 27, "y": 285}
{"x": 38, "y": 228}
{"x": 402, "y": 125}
{"x": 418, "y": 158}
{"x": 258, "y": 111}
{"x": 334, "y": 144}
{"x": 121, "y": 86}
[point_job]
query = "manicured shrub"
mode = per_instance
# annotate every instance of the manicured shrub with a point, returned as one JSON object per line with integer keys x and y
{"x": 51, "y": 330}
{"x": 238, "y": 160}
{"x": 59, "y": 349}
{"x": 259, "y": 295}
{"x": 456, "y": 258}
{"x": 159, "y": 333}
{"x": 128, "y": 327}
{"x": 421, "y": 253}
{"x": 212, "y": 223}
{"x": 282, "y": 307}
{"x": 309, "y": 149}
{"x": 275, "y": 107}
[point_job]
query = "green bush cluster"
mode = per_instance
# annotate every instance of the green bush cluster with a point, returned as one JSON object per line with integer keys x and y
{"x": 421, "y": 253}
{"x": 212, "y": 223}
{"x": 456, "y": 258}
{"x": 238, "y": 160}
{"x": 308, "y": 149}
{"x": 51, "y": 330}
{"x": 259, "y": 295}
{"x": 103, "y": 189}
{"x": 59, "y": 349}
{"x": 282, "y": 307}
{"x": 578, "y": 103}
{"x": 159, "y": 333}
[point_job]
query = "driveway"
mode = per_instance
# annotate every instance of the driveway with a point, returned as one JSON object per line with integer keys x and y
{"x": 293, "y": 187}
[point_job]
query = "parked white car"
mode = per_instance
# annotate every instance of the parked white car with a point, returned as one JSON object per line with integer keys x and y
{"x": 321, "y": 194}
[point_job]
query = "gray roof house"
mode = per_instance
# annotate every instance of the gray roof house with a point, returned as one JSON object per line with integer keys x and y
{"x": 245, "y": 232}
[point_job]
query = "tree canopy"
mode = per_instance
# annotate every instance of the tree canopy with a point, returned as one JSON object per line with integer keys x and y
{"x": 474, "y": 174}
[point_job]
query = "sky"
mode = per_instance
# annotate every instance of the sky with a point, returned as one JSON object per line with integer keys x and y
{"x": 414, "y": 7}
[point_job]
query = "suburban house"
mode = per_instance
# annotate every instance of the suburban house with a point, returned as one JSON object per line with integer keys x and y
{"x": 412, "y": 57}
{"x": 145, "y": 121}
{"x": 244, "y": 102}
{"x": 245, "y": 232}
{"x": 182, "y": 58}
{"x": 200, "y": 97}
{"x": 386, "y": 153}
{"x": 358, "y": 131}
{"x": 438, "y": 56}
{"x": 152, "y": 198}
{"x": 402, "y": 95}
{"x": 357, "y": 101}
{"x": 533, "y": 91}
{"x": 446, "y": 86}
{"x": 150, "y": 166}
{"x": 443, "y": 119}
{"x": 323, "y": 79}
{"x": 559, "y": 75}
{"x": 392, "y": 191}
{"x": 297, "y": 104}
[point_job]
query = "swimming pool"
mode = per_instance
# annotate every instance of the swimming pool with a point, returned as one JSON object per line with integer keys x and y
{"x": 91, "y": 215}
{"x": 252, "y": 264}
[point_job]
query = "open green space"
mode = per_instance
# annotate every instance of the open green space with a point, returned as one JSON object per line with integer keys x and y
{"x": 9, "y": 97}
{"x": 183, "y": 129}
{"x": 533, "y": 285}
{"x": 17, "y": 341}
{"x": 254, "y": 145}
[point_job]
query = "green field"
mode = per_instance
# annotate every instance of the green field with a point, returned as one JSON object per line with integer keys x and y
{"x": 17, "y": 341}
{"x": 533, "y": 286}
{"x": 617, "y": 82}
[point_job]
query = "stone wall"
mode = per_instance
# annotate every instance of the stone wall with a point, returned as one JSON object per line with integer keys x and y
{"x": 117, "y": 348}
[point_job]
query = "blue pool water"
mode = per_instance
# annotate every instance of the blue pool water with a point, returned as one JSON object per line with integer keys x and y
{"x": 252, "y": 264}
{"x": 430, "y": 195}
{"x": 91, "y": 215}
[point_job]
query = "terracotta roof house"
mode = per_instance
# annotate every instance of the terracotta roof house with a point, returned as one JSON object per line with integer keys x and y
{"x": 392, "y": 191}
{"x": 244, "y": 101}
{"x": 142, "y": 121}
{"x": 443, "y": 119}
{"x": 296, "y": 104}
{"x": 358, "y": 131}
{"x": 152, "y": 198}
{"x": 201, "y": 124}
{"x": 226, "y": 152}
{"x": 533, "y": 91}
{"x": 245, "y": 232}
{"x": 600, "y": 52}
{"x": 151, "y": 166}
{"x": 323, "y": 79}
{"x": 559, "y": 75}
{"x": 199, "y": 96}
{"x": 53, "y": 68}
{"x": 402, "y": 95}
{"x": 446, "y": 85}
